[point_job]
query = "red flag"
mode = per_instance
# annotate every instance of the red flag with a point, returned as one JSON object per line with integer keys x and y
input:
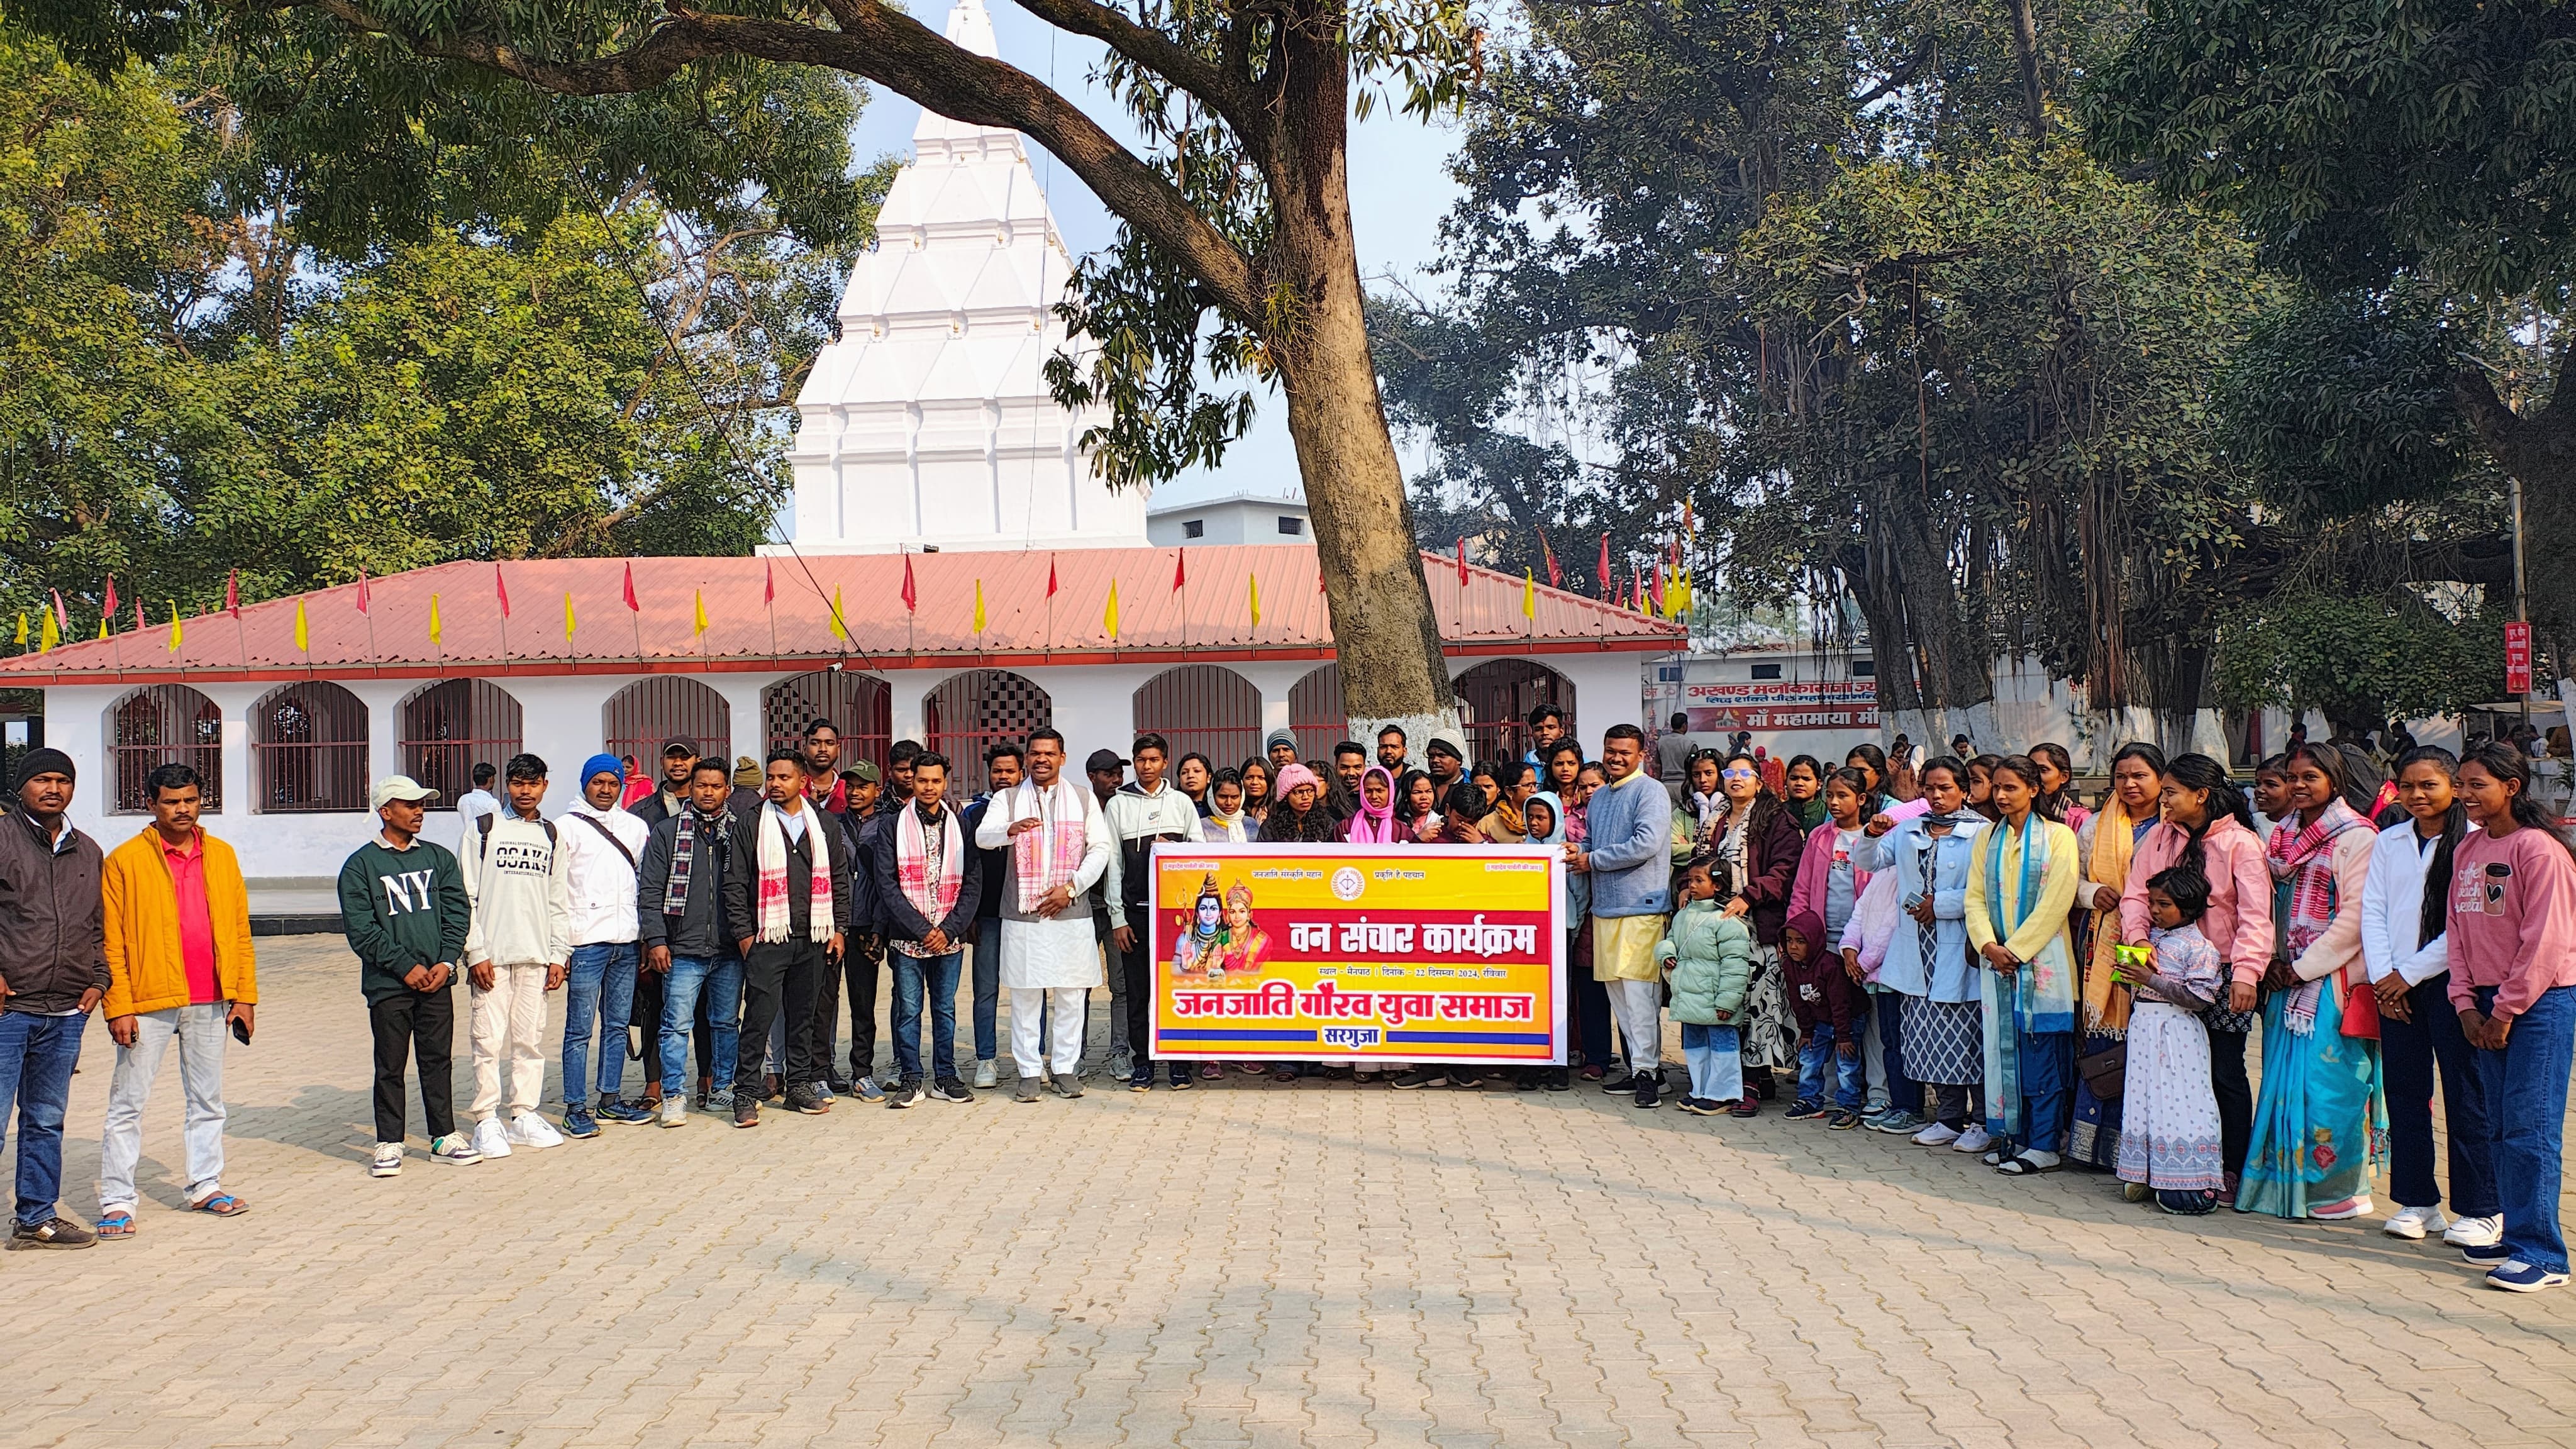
{"x": 501, "y": 587}
{"x": 362, "y": 589}
{"x": 911, "y": 600}
{"x": 632, "y": 607}
{"x": 232, "y": 593}
{"x": 1319, "y": 581}
{"x": 108, "y": 609}
{"x": 768, "y": 582}
{"x": 1608, "y": 585}
{"x": 1050, "y": 576}
{"x": 1462, "y": 561}
{"x": 1180, "y": 569}
{"x": 1655, "y": 588}
{"x": 1555, "y": 575}
{"x": 138, "y": 616}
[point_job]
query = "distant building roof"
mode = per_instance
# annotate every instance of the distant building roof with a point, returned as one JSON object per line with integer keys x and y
{"x": 1210, "y": 617}
{"x": 1245, "y": 495}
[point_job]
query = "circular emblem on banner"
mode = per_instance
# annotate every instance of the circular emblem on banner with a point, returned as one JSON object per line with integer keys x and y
{"x": 1348, "y": 882}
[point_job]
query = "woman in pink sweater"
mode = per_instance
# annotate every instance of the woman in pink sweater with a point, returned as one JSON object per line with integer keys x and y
{"x": 2206, "y": 824}
{"x": 2513, "y": 978}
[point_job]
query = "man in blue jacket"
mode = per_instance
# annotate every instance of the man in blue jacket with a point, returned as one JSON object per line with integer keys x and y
{"x": 1628, "y": 854}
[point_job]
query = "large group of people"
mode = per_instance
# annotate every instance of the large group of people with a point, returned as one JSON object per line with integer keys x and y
{"x": 1960, "y": 951}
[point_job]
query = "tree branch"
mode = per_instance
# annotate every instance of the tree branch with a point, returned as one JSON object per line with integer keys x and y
{"x": 1225, "y": 94}
{"x": 1901, "y": 77}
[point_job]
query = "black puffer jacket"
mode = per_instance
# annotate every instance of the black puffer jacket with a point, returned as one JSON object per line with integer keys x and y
{"x": 53, "y": 920}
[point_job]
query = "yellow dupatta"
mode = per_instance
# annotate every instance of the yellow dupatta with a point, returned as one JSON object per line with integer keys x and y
{"x": 2115, "y": 842}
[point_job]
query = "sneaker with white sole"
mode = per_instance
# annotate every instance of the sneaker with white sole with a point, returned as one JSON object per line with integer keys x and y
{"x": 2412, "y": 1223}
{"x": 2475, "y": 1232}
{"x": 1896, "y": 1122}
{"x": 528, "y": 1129}
{"x": 2518, "y": 1276}
{"x": 2357, "y": 1206}
{"x": 675, "y": 1111}
{"x": 453, "y": 1150}
{"x": 1975, "y": 1139}
{"x": 491, "y": 1138}
{"x": 1939, "y": 1134}
{"x": 2493, "y": 1255}
{"x": 387, "y": 1161}
{"x": 986, "y": 1075}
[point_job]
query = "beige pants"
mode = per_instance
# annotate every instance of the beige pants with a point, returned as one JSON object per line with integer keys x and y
{"x": 509, "y": 1025}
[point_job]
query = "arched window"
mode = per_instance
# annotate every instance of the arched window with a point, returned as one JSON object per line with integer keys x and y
{"x": 1202, "y": 707}
{"x": 638, "y": 719}
{"x": 454, "y": 725}
{"x": 975, "y": 711}
{"x": 308, "y": 750}
{"x": 860, "y": 706}
{"x": 1315, "y": 712}
{"x": 165, "y": 724}
{"x": 1494, "y": 701}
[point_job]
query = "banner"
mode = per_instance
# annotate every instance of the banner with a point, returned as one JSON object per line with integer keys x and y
{"x": 1782, "y": 704}
{"x": 1411, "y": 953}
{"x": 2517, "y": 659}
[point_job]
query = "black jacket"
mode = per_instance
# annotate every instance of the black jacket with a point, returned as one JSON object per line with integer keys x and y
{"x": 53, "y": 919}
{"x": 990, "y": 864}
{"x": 700, "y": 929}
{"x": 897, "y": 919}
{"x": 742, "y": 882}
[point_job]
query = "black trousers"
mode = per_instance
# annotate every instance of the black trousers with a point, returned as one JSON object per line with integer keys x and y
{"x": 415, "y": 1025}
{"x": 861, "y": 967}
{"x": 781, "y": 980}
{"x": 644, "y": 1026}
{"x": 2235, "y": 1098}
{"x": 1135, "y": 968}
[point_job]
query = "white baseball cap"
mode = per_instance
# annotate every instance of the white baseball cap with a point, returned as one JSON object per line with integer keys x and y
{"x": 401, "y": 787}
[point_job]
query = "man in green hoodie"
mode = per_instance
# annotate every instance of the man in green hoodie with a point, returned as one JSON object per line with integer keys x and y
{"x": 403, "y": 904}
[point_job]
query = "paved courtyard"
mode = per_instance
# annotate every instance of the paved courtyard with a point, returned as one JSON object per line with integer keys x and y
{"x": 1253, "y": 1264}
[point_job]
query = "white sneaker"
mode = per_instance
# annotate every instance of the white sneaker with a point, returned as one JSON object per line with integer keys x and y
{"x": 2475, "y": 1232}
{"x": 491, "y": 1138}
{"x": 530, "y": 1129}
{"x": 454, "y": 1150}
{"x": 985, "y": 1076}
{"x": 1939, "y": 1134}
{"x": 388, "y": 1160}
{"x": 675, "y": 1111}
{"x": 2412, "y": 1223}
{"x": 1975, "y": 1139}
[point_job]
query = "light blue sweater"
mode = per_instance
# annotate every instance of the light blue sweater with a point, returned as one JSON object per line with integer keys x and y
{"x": 1629, "y": 829}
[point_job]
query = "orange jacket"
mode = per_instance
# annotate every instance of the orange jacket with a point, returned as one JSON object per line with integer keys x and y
{"x": 145, "y": 970}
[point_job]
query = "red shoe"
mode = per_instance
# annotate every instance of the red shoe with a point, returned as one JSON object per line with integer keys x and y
{"x": 1751, "y": 1106}
{"x": 1592, "y": 1071}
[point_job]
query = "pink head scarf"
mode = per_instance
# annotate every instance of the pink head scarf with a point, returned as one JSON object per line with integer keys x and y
{"x": 1375, "y": 825}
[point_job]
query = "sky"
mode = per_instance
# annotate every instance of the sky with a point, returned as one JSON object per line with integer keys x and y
{"x": 1400, "y": 188}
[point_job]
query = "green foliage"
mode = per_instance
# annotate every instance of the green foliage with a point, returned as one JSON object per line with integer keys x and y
{"x": 2362, "y": 659}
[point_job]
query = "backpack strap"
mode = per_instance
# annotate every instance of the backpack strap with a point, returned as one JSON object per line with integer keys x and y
{"x": 604, "y": 833}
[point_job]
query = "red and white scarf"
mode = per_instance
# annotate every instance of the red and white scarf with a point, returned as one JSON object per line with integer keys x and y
{"x": 771, "y": 836}
{"x": 1050, "y": 855}
{"x": 933, "y": 898}
{"x": 2302, "y": 861}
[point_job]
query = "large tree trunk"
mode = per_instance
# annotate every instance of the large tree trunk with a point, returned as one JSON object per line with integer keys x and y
{"x": 2539, "y": 449}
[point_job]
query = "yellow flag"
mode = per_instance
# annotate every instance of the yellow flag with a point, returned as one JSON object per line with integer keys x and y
{"x": 1255, "y": 581}
{"x": 1529, "y": 595}
{"x": 303, "y": 636}
{"x": 840, "y": 628}
{"x": 979, "y": 606}
{"x": 102, "y": 626}
{"x": 437, "y": 632}
{"x": 22, "y": 631}
{"x": 1110, "y": 618}
{"x": 569, "y": 622}
{"x": 176, "y": 636}
{"x": 49, "y": 636}
{"x": 702, "y": 611}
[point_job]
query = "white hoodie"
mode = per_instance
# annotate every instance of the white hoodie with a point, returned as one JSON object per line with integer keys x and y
{"x": 603, "y": 878}
{"x": 520, "y": 884}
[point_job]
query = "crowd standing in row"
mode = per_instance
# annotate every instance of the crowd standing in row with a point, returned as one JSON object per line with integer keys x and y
{"x": 1956, "y": 950}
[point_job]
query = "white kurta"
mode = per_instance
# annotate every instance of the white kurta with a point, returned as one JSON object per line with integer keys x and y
{"x": 1039, "y": 954}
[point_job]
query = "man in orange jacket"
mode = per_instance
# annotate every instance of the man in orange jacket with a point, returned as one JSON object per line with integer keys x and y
{"x": 179, "y": 968}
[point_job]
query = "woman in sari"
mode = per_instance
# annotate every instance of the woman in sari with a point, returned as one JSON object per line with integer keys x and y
{"x": 2107, "y": 843}
{"x": 2320, "y": 1125}
{"x": 2021, "y": 887}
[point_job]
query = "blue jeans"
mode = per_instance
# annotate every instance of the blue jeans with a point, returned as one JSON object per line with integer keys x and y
{"x": 988, "y": 984}
{"x": 37, "y": 1054}
{"x": 1817, "y": 1057}
{"x": 1715, "y": 1058}
{"x": 718, "y": 979}
{"x": 2526, "y": 1119}
{"x": 601, "y": 985}
{"x": 2411, "y": 1054}
{"x": 911, "y": 974}
{"x": 2047, "y": 1089}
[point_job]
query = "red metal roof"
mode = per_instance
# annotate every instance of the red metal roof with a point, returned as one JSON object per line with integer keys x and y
{"x": 1210, "y": 617}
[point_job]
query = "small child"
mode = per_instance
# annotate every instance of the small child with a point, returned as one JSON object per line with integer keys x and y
{"x": 1821, "y": 993}
{"x": 1707, "y": 957}
{"x": 2169, "y": 1139}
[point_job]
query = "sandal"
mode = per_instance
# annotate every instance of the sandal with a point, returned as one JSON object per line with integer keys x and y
{"x": 2026, "y": 1167}
{"x": 222, "y": 1205}
{"x": 118, "y": 1224}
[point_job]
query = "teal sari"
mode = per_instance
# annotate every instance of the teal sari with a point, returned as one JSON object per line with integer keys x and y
{"x": 2321, "y": 1124}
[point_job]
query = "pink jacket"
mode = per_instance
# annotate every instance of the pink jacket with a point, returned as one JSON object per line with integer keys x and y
{"x": 2239, "y": 922}
{"x": 1814, "y": 864}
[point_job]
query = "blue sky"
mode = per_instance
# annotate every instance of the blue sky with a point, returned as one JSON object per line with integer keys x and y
{"x": 1400, "y": 188}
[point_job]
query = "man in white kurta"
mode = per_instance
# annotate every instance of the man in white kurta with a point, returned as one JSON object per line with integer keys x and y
{"x": 1050, "y": 960}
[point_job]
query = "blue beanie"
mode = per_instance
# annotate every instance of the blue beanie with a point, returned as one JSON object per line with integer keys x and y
{"x": 592, "y": 768}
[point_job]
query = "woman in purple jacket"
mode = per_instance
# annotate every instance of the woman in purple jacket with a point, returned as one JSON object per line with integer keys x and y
{"x": 1761, "y": 843}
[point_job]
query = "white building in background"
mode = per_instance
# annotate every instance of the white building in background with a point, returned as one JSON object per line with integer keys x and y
{"x": 1234, "y": 518}
{"x": 929, "y": 425}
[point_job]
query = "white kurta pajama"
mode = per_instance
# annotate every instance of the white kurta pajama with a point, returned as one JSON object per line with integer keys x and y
{"x": 1047, "y": 964}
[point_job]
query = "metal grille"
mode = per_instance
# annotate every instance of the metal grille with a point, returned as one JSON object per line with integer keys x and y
{"x": 861, "y": 706}
{"x": 1494, "y": 701}
{"x": 638, "y": 718}
{"x": 977, "y": 710}
{"x": 1202, "y": 707}
{"x": 164, "y": 724}
{"x": 450, "y": 727}
{"x": 308, "y": 750}
{"x": 1315, "y": 713}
